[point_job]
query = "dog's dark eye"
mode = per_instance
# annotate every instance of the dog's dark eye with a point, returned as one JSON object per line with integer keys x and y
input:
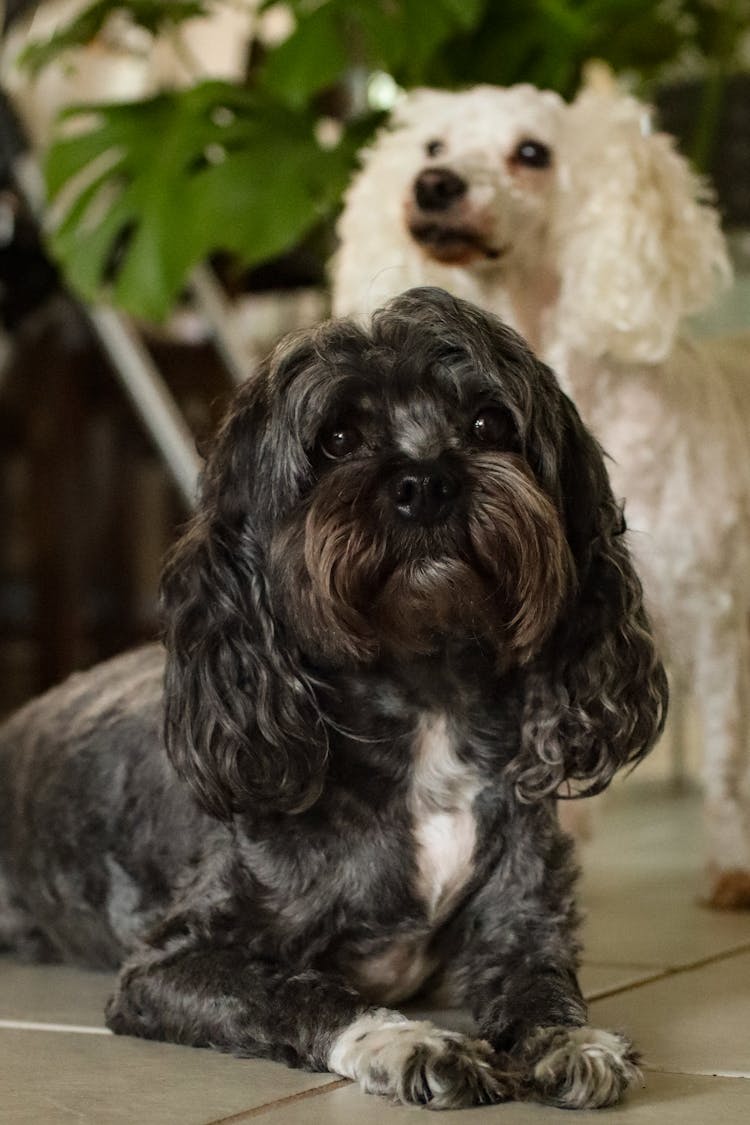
{"x": 492, "y": 426}
{"x": 340, "y": 441}
{"x": 532, "y": 154}
{"x": 434, "y": 148}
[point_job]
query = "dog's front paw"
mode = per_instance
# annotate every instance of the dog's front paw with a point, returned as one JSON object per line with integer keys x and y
{"x": 416, "y": 1063}
{"x": 578, "y": 1067}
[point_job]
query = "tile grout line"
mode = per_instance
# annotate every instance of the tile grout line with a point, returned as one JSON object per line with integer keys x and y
{"x": 625, "y": 966}
{"x": 671, "y": 971}
{"x": 290, "y": 1099}
{"x": 741, "y": 1074}
{"x": 29, "y": 1025}
{"x": 626, "y": 986}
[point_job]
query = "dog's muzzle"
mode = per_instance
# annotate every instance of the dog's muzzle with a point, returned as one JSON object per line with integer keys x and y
{"x": 435, "y": 189}
{"x": 442, "y": 221}
{"x": 424, "y": 492}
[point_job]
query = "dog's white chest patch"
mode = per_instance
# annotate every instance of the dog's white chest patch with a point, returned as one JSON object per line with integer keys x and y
{"x": 442, "y": 795}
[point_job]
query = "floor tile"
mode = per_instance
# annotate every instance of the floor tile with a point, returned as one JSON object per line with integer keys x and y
{"x": 679, "y": 931}
{"x": 53, "y": 993}
{"x": 642, "y": 878}
{"x": 598, "y": 979}
{"x": 57, "y": 1079}
{"x": 666, "y": 1099}
{"x": 696, "y": 1021}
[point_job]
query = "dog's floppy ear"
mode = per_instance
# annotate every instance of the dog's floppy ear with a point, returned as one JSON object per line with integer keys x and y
{"x": 637, "y": 242}
{"x": 597, "y": 694}
{"x": 241, "y": 722}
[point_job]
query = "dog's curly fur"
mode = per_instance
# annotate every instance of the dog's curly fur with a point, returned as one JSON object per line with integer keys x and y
{"x": 585, "y": 229}
{"x": 403, "y": 617}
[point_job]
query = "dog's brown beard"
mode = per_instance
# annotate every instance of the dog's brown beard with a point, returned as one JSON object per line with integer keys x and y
{"x": 356, "y": 584}
{"x": 519, "y": 543}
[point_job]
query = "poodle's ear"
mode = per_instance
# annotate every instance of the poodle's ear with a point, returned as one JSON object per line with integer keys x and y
{"x": 637, "y": 241}
{"x": 241, "y": 722}
{"x": 596, "y": 695}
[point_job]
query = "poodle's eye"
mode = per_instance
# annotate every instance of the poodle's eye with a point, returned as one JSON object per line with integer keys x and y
{"x": 434, "y": 148}
{"x": 341, "y": 441}
{"x": 532, "y": 154}
{"x": 492, "y": 426}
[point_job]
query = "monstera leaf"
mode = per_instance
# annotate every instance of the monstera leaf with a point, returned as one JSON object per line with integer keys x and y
{"x": 334, "y": 35}
{"x": 151, "y": 188}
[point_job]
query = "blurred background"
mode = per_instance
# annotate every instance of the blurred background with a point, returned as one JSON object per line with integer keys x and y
{"x": 153, "y": 249}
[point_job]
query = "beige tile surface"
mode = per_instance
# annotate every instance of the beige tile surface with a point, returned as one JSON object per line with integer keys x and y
{"x": 696, "y": 1021}
{"x": 49, "y": 1078}
{"x": 596, "y": 980}
{"x": 653, "y": 920}
{"x": 53, "y": 993}
{"x": 666, "y": 1099}
{"x": 642, "y": 875}
{"x": 642, "y": 882}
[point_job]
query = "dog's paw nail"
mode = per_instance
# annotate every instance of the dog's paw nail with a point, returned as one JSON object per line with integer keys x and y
{"x": 418, "y": 1064}
{"x": 581, "y": 1067}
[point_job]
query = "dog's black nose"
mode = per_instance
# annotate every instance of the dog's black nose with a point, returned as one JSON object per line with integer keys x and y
{"x": 436, "y": 188}
{"x": 425, "y": 492}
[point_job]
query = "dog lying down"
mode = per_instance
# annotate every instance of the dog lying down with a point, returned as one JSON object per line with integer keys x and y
{"x": 402, "y": 620}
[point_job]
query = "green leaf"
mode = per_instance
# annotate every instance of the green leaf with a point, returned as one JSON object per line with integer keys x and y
{"x": 466, "y": 13}
{"x": 314, "y": 56}
{"x": 333, "y": 37}
{"x": 156, "y": 186}
{"x": 424, "y": 37}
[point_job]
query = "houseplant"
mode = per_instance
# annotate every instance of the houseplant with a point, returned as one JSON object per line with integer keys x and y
{"x": 149, "y": 188}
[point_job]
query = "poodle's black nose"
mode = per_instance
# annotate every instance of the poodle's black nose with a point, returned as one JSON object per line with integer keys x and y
{"x": 436, "y": 188}
{"x": 425, "y": 492}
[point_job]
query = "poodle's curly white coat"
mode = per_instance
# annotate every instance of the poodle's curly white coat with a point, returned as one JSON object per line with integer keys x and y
{"x": 596, "y": 248}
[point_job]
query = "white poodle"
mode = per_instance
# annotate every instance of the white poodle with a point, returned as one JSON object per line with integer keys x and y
{"x": 589, "y": 233}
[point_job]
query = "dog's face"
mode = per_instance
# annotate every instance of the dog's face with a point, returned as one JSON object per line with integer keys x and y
{"x": 520, "y": 202}
{"x": 479, "y": 171}
{"x": 381, "y": 494}
{"x": 411, "y": 504}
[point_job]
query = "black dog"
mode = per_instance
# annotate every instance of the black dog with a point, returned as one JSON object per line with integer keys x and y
{"x": 402, "y": 622}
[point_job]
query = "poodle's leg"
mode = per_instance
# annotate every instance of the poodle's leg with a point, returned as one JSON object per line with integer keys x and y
{"x": 723, "y": 690}
{"x": 678, "y": 724}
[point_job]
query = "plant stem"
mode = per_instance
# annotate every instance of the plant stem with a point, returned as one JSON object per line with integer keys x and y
{"x": 705, "y": 133}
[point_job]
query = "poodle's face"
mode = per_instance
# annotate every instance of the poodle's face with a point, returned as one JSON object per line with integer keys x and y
{"x": 479, "y": 170}
{"x": 520, "y": 202}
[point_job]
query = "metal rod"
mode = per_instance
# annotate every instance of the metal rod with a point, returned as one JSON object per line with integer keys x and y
{"x": 215, "y": 308}
{"x": 149, "y": 394}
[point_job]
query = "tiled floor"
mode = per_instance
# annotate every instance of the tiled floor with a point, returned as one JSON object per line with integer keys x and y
{"x": 676, "y": 976}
